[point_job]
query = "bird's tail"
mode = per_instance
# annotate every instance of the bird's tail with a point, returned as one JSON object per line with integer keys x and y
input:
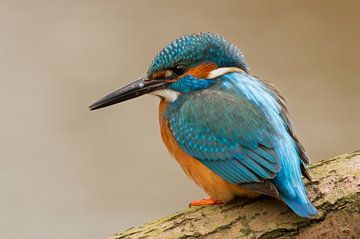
{"x": 301, "y": 207}
{"x": 292, "y": 191}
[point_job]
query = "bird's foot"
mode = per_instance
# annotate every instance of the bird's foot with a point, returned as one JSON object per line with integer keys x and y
{"x": 205, "y": 202}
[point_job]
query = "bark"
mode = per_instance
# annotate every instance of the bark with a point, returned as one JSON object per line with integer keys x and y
{"x": 335, "y": 191}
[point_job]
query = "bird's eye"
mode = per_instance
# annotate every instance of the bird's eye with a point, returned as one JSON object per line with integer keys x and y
{"x": 179, "y": 69}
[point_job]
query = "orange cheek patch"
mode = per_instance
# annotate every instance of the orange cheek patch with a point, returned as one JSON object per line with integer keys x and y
{"x": 202, "y": 70}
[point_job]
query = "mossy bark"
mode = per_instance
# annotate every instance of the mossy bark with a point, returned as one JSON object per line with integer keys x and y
{"x": 335, "y": 191}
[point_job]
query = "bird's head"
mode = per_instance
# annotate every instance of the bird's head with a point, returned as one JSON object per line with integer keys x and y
{"x": 189, "y": 63}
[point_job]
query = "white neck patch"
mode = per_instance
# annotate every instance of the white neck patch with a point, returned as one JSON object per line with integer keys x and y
{"x": 222, "y": 71}
{"x": 169, "y": 95}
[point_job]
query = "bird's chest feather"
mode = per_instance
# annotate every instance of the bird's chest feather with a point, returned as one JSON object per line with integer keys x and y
{"x": 215, "y": 186}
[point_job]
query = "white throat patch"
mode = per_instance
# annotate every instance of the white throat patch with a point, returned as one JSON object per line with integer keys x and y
{"x": 169, "y": 95}
{"x": 222, "y": 71}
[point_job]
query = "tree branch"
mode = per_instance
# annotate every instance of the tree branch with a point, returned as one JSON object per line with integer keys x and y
{"x": 335, "y": 191}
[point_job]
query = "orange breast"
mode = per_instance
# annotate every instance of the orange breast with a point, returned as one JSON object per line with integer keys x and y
{"x": 215, "y": 186}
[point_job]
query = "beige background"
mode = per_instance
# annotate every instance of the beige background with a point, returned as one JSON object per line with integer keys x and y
{"x": 67, "y": 172}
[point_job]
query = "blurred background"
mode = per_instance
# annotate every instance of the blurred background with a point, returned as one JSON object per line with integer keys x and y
{"x": 67, "y": 172}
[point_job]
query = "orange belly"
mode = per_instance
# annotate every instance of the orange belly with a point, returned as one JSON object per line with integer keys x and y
{"x": 215, "y": 186}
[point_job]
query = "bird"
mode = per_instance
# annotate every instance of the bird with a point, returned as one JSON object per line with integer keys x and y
{"x": 229, "y": 130}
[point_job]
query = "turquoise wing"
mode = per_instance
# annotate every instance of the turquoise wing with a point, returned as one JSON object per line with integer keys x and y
{"x": 229, "y": 135}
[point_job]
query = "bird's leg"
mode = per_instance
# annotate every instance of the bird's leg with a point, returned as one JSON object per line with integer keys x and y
{"x": 205, "y": 202}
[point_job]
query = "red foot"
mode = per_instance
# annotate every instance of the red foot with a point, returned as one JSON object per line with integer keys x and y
{"x": 205, "y": 202}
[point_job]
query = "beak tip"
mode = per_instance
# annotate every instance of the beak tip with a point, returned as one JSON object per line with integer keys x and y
{"x": 94, "y": 107}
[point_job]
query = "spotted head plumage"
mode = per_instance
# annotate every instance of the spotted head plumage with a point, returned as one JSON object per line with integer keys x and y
{"x": 192, "y": 50}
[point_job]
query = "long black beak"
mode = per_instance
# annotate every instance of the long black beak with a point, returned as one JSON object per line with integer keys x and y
{"x": 133, "y": 90}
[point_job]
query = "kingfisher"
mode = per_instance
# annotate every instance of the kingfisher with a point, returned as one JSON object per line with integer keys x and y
{"x": 229, "y": 131}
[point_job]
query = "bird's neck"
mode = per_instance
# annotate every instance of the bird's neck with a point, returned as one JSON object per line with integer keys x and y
{"x": 164, "y": 126}
{"x": 162, "y": 107}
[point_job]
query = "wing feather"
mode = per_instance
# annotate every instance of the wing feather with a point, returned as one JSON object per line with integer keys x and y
{"x": 228, "y": 134}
